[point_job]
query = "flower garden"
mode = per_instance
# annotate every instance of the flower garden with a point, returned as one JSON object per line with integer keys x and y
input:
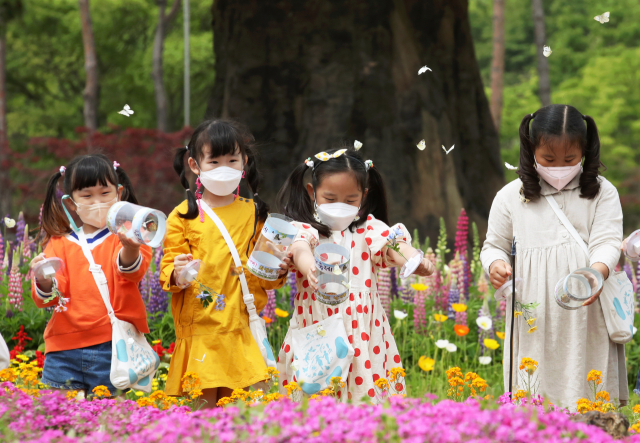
{"x": 448, "y": 328}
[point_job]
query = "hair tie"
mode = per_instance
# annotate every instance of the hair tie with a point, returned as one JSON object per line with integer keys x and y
{"x": 531, "y": 115}
{"x": 187, "y": 147}
{"x": 309, "y": 163}
{"x": 368, "y": 164}
{"x": 255, "y": 195}
{"x": 115, "y": 165}
{"x": 584, "y": 117}
{"x": 62, "y": 169}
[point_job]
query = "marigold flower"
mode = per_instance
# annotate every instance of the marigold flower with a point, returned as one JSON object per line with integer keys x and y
{"x": 528, "y": 364}
{"x": 500, "y": 335}
{"x": 292, "y": 387}
{"x": 426, "y": 363}
{"x": 491, "y": 343}
{"x": 440, "y": 318}
{"x": 224, "y": 401}
{"x": 454, "y": 372}
{"x": 461, "y": 330}
{"x": 602, "y": 395}
{"x": 636, "y": 409}
{"x": 101, "y": 391}
{"x": 281, "y": 313}
{"x": 584, "y": 405}
{"x": 459, "y": 307}
{"x": 71, "y": 395}
{"x": 382, "y": 383}
{"x": 595, "y": 376}
{"x": 519, "y": 394}
{"x": 396, "y": 373}
{"x": 635, "y": 428}
{"x": 238, "y": 394}
{"x": 144, "y": 402}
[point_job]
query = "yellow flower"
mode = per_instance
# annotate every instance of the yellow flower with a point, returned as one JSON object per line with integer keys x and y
{"x": 500, "y": 335}
{"x": 518, "y": 313}
{"x": 224, "y": 401}
{"x": 272, "y": 372}
{"x": 22, "y": 357}
{"x": 101, "y": 391}
{"x": 292, "y": 387}
{"x": 71, "y": 395}
{"x": 336, "y": 382}
{"x": 454, "y": 372}
{"x": 528, "y": 364}
{"x": 459, "y": 307}
{"x": 480, "y": 384}
{"x": 396, "y": 373}
{"x": 584, "y": 405}
{"x": 155, "y": 342}
{"x": 426, "y": 363}
{"x": 237, "y": 394}
{"x": 595, "y": 376}
{"x": 531, "y": 330}
{"x": 531, "y": 321}
{"x": 491, "y": 343}
{"x": 519, "y": 394}
{"x": 635, "y": 428}
{"x": 139, "y": 393}
{"x": 602, "y": 395}
{"x": 281, "y": 313}
{"x": 419, "y": 287}
{"x": 327, "y": 392}
{"x": 144, "y": 402}
{"x": 382, "y": 383}
{"x": 636, "y": 409}
{"x": 440, "y": 318}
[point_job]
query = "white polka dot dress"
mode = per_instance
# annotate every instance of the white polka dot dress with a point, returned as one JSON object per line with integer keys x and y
{"x": 365, "y": 320}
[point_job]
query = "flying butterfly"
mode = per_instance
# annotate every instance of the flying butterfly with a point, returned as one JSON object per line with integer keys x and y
{"x": 450, "y": 149}
{"x": 546, "y": 51}
{"x": 421, "y": 145}
{"x": 510, "y": 167}
{"x": 604, "y": 18}
{"x": 357, "y": 145}
{"x": 126, "y": 111}
{"x": 423, "y": 70}
{"x": 201, "y": 361}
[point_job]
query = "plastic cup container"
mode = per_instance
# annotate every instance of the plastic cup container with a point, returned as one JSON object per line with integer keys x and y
{"x": 189, "y": 273}
{"x": 332, "y": 289}
{"x": 271, "y": 248}
{"x": 632, "y": 250}
{"x": 144, "y": 225}
{"x": 505, "y": 291}
{"x": 48, "y": 268}
{"x": 411, "y": 265}
{"x": 330, "y": 255}
{"x": 576, "y": 288}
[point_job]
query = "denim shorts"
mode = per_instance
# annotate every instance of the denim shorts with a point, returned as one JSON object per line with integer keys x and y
{"x": 83, "y": 368}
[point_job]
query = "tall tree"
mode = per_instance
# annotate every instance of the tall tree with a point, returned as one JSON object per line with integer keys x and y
{"x": 91, "y": 89}
{"x": 306, "y": 75}
{"x": 543, "y": 64}
{"x": 497, "y": 63}
{"x": 9, "y": 10}
{"x": 163, "y": 28}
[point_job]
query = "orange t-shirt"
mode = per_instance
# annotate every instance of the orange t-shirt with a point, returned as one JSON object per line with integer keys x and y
{"x": 86, "y": 322}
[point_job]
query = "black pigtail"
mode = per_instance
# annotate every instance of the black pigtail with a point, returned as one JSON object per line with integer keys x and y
{"x": 589, "y": 184}
{"x": 54, "y": 219}
{"x": 375, "y": 202}
{"x": 128, "y": 195}
{"x": 178, "y": 166}
{"x": 253, "y": 181}
{"x": 526, "y": 170}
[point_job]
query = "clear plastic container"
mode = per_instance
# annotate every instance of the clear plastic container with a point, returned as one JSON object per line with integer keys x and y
{"x": 505, "y": 291}
{"x": 48, "y": 268}
{"x": 632, "y": 250}
{"x": 271, "y": 248}
{"x": 412, "y": 264}
{"x": 189, "y": 273}
{"x": 144, "y": 225}
{"x": 329, "y": 256}
{"x": 332, "y": 289}
{"x": 576, "y": 288}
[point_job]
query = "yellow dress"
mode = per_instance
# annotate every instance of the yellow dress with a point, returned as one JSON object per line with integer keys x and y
{"x": 217, "y": 345}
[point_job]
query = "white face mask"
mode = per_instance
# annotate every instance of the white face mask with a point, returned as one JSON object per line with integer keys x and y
{"x": 338, "y": 216}
{"x": 221, "y": 181}
{"x": 94, "y": 215}
{"x": 558, "y": 176}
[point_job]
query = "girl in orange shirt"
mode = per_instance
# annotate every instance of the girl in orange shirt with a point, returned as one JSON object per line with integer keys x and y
{"x": 78, "y": 336}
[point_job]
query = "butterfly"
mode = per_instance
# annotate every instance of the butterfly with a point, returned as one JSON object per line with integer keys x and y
{"x": 233, "y": 270}
{"x": 357, "y": 145}
{"x": 421, "y": 145}
{"x": 423, "y": 70}
{"x": 546, "y": 51}
{"x": 201, "y": 361}
{"x": 126, "y": 111}
{"x": 450, "y": 149}
{"x": 510, "y": 167}
{"x": 295, "y": 365}
{"x": 336, "y": 270}
{"x": 604, "y": 18}
{"x": 321, "y": 331}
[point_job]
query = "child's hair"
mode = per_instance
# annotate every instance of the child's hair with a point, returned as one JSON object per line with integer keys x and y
{"x": 82, "y": 172}
{"x": 566, "y": 124}
{"x": 223, "y": 137}
{"x": 294, "y": 199}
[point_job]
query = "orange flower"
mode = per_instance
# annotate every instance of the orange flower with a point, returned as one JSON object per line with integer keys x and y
{"x": 461, "y": 330}
{"x": 500, "y": 335}
{"x": 266, "y": 319}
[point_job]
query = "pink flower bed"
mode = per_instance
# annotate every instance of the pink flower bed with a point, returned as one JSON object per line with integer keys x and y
{"x": 52, "y": 418}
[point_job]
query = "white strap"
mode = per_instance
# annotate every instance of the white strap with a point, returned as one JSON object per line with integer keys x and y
{"x": 98, "y": 274}
{"x": 246, "y": 295}
{"x": 567, "y": 224}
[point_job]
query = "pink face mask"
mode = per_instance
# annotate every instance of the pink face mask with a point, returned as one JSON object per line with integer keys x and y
{"x": 558, "y": 176}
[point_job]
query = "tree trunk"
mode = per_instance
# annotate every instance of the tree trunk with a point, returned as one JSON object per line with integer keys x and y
{"x": 497, "y": 64}
{"x": 305, "y": 75}
{"x": 543, "y": 63}
{"x": 5, "y": 182}
{"x": 164, "y": 25}
{"x": 90, "y": 93}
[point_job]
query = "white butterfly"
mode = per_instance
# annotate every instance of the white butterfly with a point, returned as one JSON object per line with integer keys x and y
{"x": 510, "y": 167}
{"x": 421, "y": 145}
{"x": 546, "y": 51}
{"x": 604, "y": 18}
{"x": 126, "y": 111}
{"x": 450, "y": 149}
{"x": 357, "y": 145}
{"x": 201, "y": 361}
{"x": 424, "y": 69}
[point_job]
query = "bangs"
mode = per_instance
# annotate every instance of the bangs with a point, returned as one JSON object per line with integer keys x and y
{"x": 563, "y": 143}
{"x": 90, "y": 171}
{"x": 221, "y": 139}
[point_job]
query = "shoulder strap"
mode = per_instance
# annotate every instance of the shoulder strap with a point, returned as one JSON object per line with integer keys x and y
{"x": 97, "y": 272}
{"x": 567, "y": 224}
{"x": 246, "y": 295}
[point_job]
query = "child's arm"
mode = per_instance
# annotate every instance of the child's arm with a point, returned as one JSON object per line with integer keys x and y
{"x": 132, "y": 260}
{"x": 304, "y": 262}
{"x": 41, "y": 290}
{"x": 497, "y": 246}
{"x": 177, "y": 253}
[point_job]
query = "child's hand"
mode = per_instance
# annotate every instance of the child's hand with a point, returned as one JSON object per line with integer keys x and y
{"x": 426, "y": 268}
{"x": 287, "y": 263}
{"x": 499, "y": 273}
{"x": 311, "y": 276}
{"x": 128, "y": 243}
{"x": 179, "y": 262}
{"x": 37, "y": 259}
{"x": 623, "y": 246}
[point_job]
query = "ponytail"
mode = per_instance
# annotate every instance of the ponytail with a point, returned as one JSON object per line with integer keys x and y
{"x": 253, "y": 182}
{"x": 54, "y": 220}
{"x": 526, "y": 169}
{"x": 127, "y": 193}
{"x": 293, "y": 200}
{"x": 375, "y": 202}
{"x": 178, "y": 166}
{"x": 589, "y": 183}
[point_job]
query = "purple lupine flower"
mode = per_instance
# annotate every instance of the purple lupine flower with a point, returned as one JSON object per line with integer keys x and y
{"x": 158, "y": 301}
{"x": 293, "y": 288}
{"x": 145, "y": 287}
{"x": 159, "y": 253}
{"x": 1, "y": 256}
{"x": 20, "y": 227}
{"x": 384, "y": 288}
{"x": 454, "y": 297}
{"x": 269, "y": 310}
{"x": 394, "y": 284}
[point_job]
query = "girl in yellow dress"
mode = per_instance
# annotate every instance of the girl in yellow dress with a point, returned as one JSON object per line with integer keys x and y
{"x": 215, "y": 341}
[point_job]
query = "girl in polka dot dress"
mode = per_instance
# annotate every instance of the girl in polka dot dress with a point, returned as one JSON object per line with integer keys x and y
{"x": 345, "y": 203}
